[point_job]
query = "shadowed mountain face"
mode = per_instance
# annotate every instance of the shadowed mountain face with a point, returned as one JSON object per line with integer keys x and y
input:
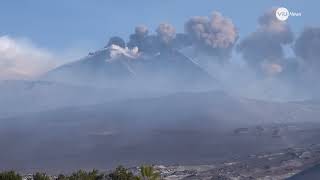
{"x": 167, "y": 70}
{"x": 179, "y": 128}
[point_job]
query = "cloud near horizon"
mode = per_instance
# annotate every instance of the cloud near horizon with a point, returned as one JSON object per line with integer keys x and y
{"x": 21, "y": 59}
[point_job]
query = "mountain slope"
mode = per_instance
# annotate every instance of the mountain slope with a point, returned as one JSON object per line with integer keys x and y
{"x": 178, "y": 128}
{"x": 190, "y": 109}
{"x": 35, "y": 96}
{"x": 114, "y": 67}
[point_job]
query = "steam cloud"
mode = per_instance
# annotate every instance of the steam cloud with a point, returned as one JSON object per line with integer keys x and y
{"x": 20, "y": 59}
{"x": 264, "y": 47}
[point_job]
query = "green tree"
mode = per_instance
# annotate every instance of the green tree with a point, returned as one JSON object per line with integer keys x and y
{"x": 62, "y": 177}
{"x": 10, "y": 175}
{"x": 40, "y": 176}
{"x": 121, "y": 173}
{"x": 149, "y": 173}
{"x": 83, "y": 175}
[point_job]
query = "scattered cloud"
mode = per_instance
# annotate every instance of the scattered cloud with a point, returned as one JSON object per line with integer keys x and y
{"x": 20, "y": 58}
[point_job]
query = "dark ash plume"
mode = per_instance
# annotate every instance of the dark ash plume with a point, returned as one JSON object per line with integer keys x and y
{"x": 307, "y": 46}
{"x": 141, "y": 31}
{"x": 215, "y": 35}
{"x": 116, "y": 41}
{"x": 181, "y": 41}
{"x": 166, "y": 33}
{"x": 265, "y": 45}
{"x": 137, "y": 39}
{"x": 307, "y": 49}
{"x": 146, "y": 43}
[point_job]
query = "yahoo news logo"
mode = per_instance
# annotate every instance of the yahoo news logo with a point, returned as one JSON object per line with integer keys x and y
{"x": 283, "y": 14}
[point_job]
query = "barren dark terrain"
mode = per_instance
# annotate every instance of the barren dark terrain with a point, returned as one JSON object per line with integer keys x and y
{"x": 184, "y": 128}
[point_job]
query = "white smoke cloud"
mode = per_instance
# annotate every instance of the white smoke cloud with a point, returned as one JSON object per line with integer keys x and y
{"x": 21, "y": 59}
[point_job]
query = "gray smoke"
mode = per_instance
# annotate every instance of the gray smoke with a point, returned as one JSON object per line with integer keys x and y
{"x": 307, "y": 46}
{"x": 146, "y": 43}
{"x": 166, "y": 33}
{"x": 264, "y": 47}
{"x": 181, "y": 41}
{"x": 137, "y": 39}
{"x": 141, "y": 31}
{"x": 116, "y": 41}
{"x": 215, "y": 35}
{"x": 165, "y": 38}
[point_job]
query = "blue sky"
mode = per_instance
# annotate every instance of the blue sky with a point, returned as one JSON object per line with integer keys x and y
{"x": 87, "y": 24}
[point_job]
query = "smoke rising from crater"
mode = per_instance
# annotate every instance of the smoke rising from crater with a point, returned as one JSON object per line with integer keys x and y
{"x": 166, "y": 33}
{"x": 137, "y": 39}
{"x": 215, "y": 35}
{"x": 209, "y": 40}
{"x": 141, "y": 31}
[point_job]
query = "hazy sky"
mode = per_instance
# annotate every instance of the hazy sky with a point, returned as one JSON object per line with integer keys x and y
{"x": 38, "y": 35}
{"x": 87, "y": 24}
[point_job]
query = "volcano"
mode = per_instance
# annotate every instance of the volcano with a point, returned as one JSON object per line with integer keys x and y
{"x": 118, "y": 67}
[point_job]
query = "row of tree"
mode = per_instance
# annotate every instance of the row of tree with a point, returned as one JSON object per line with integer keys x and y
{"x": 120, "y": 173}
